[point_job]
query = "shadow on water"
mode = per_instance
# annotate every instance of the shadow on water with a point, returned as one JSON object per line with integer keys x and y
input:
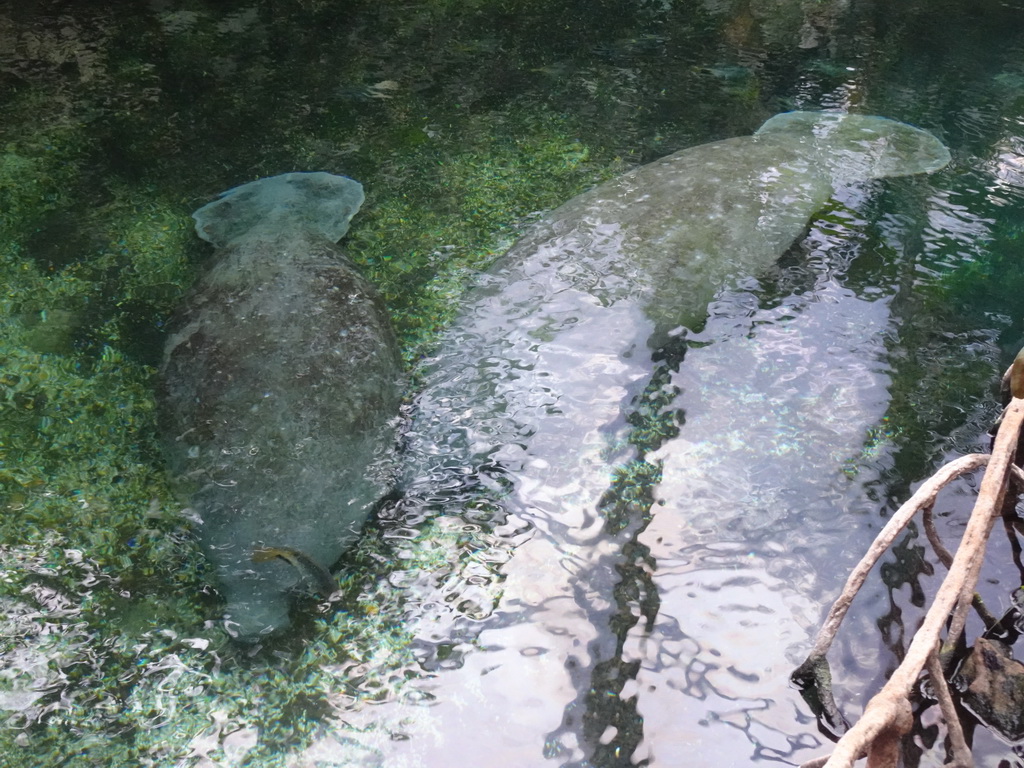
{"x": 736, "y": 533}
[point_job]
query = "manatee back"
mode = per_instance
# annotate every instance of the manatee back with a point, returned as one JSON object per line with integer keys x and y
{"x": 320, "y": 204}
{"x": 859, "y": 147}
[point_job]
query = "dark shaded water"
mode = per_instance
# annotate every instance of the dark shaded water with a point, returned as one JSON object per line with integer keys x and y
{"x": 774, "y": 444}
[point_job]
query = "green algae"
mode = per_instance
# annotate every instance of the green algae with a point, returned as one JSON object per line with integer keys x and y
{"x": 458, "y": 206}
{"x": 97, "y": 559}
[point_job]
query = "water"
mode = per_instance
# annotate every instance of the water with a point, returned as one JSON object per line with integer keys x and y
{"x": 741, "y": 481}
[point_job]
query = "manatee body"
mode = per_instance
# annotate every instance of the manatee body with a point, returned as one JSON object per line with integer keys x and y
{"x": 531, "y": 388}
{"x": 279, "y": 392}
{"x": 561, "y": 331}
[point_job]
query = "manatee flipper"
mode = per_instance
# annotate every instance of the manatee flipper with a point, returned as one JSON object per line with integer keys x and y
{"x": 302, "y": 563}
{"x": 293, "y": 203}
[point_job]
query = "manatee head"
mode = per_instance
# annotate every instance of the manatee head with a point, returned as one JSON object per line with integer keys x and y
{"x": 292, "y": 204}
{"x": 257, "y": 597}
{"x": 858, "y": 147}
{"x": 251, "y": 620}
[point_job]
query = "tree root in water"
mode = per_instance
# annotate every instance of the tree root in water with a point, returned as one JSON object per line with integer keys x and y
{"x": 888, "y": 715}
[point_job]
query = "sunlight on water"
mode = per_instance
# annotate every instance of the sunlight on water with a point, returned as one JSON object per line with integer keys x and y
{"x": 757, "y": 521}
{"x": 760, "y": 493}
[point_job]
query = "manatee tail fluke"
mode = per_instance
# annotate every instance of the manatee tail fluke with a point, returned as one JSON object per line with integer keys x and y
{"x": 861, "y": 147}
{"x": 290, "y": 204}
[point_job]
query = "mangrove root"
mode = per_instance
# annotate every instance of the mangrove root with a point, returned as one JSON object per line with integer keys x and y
{"x": 888, "y": 716}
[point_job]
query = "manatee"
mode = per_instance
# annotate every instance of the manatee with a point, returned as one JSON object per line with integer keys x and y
{"x": 279, "y": 393}
{"x": 530, "y": 390}
{"x": 563, "y": 329}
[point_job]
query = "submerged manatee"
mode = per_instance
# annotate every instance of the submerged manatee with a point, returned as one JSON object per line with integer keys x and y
{"x": 279, "y": 393}
{"x": 531, "y": 388}
{"x": 537, "y": 371}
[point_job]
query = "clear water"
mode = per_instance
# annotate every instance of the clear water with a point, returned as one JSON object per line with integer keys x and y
{"x": 746, "y": 476}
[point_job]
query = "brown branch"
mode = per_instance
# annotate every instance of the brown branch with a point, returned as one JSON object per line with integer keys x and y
{"x": 924, "y": 497}
{"x": 958, "y": 744}
{"x": 990, "y": 505}
{"x": 887, "y": 715}
{"x": 946, "y": 558}
{"x": 928, "y": 519}
{"x": 884, "y": 749}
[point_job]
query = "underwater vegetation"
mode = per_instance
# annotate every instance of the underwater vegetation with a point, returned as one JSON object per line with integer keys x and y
{"x": 98, "y": 564}
{"x": 105, "y": 592}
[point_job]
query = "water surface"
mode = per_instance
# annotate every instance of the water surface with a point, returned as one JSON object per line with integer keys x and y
{"x": 741, "y": 481}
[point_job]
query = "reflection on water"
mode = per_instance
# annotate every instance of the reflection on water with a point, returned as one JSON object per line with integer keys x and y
{"x": 531, "y": 385}
{"x": 761, "y": 511}
{"x": 636, "y": 636}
